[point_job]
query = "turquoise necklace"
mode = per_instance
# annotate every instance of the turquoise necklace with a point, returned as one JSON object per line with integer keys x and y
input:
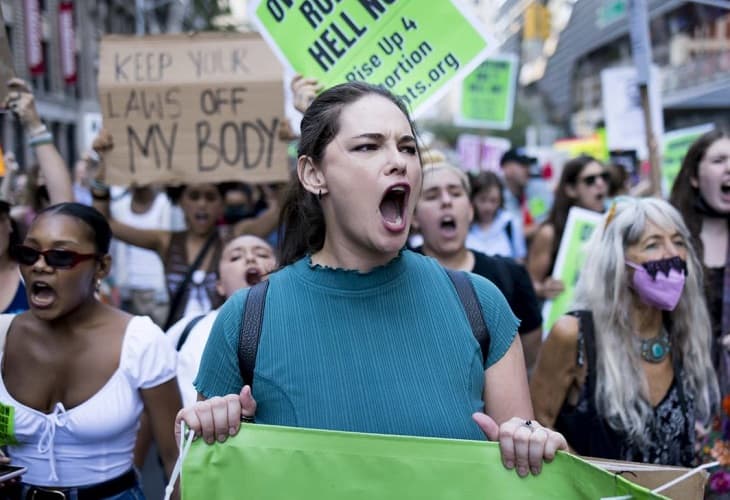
{"x": 656, "y": 349}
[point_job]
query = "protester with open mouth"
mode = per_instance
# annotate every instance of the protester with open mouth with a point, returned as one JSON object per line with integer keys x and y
{"x": 628, "y": 372}
{"x": 583, "y": 183}
{"x": 359, "y": 334}
{"x": 701, "y": 193}
{"x": 191, "y": 256}
{"x": 78, "y": 373}
{"x": 245, "y": 261}
{"x": 443, "y": 216}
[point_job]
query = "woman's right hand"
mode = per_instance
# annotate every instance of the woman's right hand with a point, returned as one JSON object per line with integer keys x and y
{"x": 20, "y": 100}
{"x": 217, "y": 418}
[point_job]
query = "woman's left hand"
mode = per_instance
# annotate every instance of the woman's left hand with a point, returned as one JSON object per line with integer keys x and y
{"x": 524, "y": 444}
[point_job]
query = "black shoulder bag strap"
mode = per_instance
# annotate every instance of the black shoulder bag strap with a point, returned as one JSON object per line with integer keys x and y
{"x": 251, "y": 323}
{"x": 175, "y": 302}
{"x": 468, "y": 298}
{"x": 253, "y": 318}
{"x": 186, "y": 332}
{"x": 510, "y": 237}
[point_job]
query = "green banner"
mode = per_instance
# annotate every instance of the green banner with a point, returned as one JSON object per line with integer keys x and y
{"x": 674, "y": 146}
{"x": 488, "y": 94}
{"x": 283, "y": 463}
{"x": 408, "y": 47}
{"x": 569, "y": 261}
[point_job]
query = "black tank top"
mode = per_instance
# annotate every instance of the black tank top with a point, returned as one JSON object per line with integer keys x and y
{"x": 671, "y": 430}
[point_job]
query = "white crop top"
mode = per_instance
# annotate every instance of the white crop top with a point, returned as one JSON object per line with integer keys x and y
{"x": 94, "y": 441}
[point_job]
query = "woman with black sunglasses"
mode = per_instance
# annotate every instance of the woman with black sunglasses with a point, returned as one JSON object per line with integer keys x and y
{"x": 76, "y": 373}
{"x": 583, "y": 183}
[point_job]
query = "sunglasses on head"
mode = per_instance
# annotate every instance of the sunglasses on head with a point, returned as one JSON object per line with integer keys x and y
{"x": 60, "y": 259}
{"x": 589, "y": 180}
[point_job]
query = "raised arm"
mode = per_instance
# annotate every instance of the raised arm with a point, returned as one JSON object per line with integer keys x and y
{"x": 151, "y": 239}
{"x": 20, "y": 100}
{"x": 267, "y": 221}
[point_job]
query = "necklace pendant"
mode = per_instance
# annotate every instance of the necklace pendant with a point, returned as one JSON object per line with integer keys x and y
{"x": 656, "y": 349}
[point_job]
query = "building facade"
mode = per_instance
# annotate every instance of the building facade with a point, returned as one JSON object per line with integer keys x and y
{"x": 690, "y": 47}
{"x": 54, "y": 45}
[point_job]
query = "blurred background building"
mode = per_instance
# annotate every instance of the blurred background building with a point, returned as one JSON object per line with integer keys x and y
{"x": 562, "y": 45}
{"x": 55, "y": 46}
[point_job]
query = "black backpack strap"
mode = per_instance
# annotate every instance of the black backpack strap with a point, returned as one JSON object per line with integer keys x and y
{"x": 186, "y": 332}
{"x": 468, "y": 298}
{"x": 251, "y": 323}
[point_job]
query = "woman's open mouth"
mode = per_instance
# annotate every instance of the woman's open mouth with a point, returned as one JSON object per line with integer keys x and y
{"x": 253, "y": 276}
{"x": 42, "y": 295}
{"x": 393, "y": 207}
{"x": 448, "y": 226}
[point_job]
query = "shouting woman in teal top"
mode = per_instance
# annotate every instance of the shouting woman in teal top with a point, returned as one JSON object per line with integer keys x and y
{"x": 359, "y": 334}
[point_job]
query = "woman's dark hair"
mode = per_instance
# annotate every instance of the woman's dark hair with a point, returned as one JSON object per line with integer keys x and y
{"x": 174, "y": 193}
{"x": 617, "y": 180}
{"x": 484, "y": 181}
{"x": 301, "y": 224}
{"x": 558, "y": 215}
{"x": 684, "y": 194}
{"x": 15, "y": 238}
{"x": 97, "y": 223}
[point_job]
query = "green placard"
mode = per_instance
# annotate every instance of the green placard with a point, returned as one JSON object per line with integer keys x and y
{"x": 408, "y": 47}
{"x": 281, "y": 463}
{"x": 569, "y": 261}
{"x": 488, "y": 93}
{"x": 674, "y": 146}
{"x": 7, "y": 425}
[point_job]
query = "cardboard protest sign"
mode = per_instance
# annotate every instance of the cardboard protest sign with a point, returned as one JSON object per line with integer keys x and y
{"x": 281, "y": 463}
{"x": 675, "y": 145}
{"x": 7, "y": 71}
{"x": 204, "y": 108}
{"x": 569, "y": 261}
{"x": 488, "y": 94}
{"x": 410, "y": 48}
{"x": 622, "y": 109}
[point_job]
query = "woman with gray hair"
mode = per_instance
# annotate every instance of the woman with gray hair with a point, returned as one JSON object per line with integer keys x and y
{"x": 641, "y": 331}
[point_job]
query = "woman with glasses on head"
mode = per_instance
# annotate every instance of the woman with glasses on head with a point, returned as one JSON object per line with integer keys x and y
{"x": 75, "y": 426}
{"x": 626, "y": 373}
{"x": 583, "y": 183}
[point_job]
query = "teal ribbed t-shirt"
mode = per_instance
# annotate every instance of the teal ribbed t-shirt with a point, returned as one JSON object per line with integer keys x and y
{"x": 389, "y": 351}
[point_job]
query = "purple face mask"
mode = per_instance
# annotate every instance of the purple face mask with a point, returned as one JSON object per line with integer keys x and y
{"x": 659, "y": 283}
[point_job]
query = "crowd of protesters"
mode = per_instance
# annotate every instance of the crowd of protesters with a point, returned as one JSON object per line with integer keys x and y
{"x": 130, "y": 301}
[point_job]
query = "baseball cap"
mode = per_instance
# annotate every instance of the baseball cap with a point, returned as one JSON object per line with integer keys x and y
{"x": 517, "y": 155}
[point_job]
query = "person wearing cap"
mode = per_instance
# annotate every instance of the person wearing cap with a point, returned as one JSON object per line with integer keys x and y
{"x": 515, "y": 166}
